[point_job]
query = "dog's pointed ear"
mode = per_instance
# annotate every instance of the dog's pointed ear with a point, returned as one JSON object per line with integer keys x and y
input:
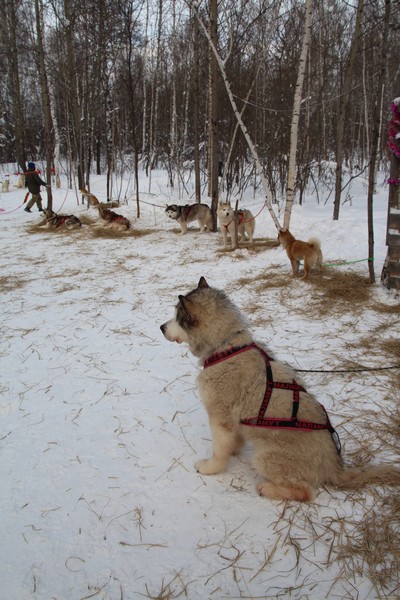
{"x": 186, "y": 304}
{"x": 202, "y": 283}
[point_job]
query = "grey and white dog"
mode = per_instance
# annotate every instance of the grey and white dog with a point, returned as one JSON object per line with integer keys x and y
{"x": 189, "y": 213}
{"x": 245, "y": 223}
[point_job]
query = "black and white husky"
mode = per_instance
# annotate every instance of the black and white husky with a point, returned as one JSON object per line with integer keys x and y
{"x": 191, "y": 212}
{"x": 54, "y": 220}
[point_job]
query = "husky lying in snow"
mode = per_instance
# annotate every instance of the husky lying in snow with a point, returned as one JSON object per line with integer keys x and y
{"x": 112, "y": 219}
{"x": 54, "y": 220}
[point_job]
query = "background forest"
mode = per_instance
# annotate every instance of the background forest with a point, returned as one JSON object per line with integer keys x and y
{"x": 110, "y": 86}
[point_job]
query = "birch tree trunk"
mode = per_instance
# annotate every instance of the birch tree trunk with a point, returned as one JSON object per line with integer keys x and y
{"x": 296, "y": 116}
{"x": 221, "y": 66}
{"x": 343, "y": 103}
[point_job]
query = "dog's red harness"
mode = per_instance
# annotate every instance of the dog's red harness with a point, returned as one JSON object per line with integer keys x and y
{"x": 240, "y": 214}
{"x": 266, "y": 422}
{"x": 187, "y": 209}
{"x": 59, "y": 220}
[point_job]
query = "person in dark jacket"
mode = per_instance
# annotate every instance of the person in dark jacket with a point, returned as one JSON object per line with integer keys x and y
{"x": 33, "y": 183}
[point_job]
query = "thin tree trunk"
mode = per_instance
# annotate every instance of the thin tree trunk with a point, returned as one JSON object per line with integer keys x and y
{"x": 145, "y": 148}
{"x": 155, "y": 94}
{"x": 9, "y": 35}
{"x": 296, "y": 116}
{"x": 173, "y": 130}
{"x": 267, "y": 191}
{"x": 197, "y": 182}
{"x": 343, "y": 104}
{"x": 44, "y": 89}
{"x": 213, "y": 122}
{"x": 377, "y": 124}
{"x": 73, "y": 95}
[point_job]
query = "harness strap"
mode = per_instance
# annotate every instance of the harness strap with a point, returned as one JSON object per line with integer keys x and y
{"x": 187, "y": 210}
{"x": 266, "y": 422}
{"x": 240, "y": 221}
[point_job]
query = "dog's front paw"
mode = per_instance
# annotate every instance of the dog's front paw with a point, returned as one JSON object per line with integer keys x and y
{"x": 208, "y": 466}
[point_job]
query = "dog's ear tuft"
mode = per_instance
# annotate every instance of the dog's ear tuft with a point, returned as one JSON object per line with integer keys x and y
{"x": 203, "y": 283}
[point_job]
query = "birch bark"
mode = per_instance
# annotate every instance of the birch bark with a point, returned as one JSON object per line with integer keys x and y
{"x": 296, "y": 116}
{"x": 253, "y": 150}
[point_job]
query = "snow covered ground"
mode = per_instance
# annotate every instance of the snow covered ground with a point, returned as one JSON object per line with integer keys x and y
{"x": 101, "y": 423}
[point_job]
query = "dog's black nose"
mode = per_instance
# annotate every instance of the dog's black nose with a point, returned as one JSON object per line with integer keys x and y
{"x": 162, "y": 327}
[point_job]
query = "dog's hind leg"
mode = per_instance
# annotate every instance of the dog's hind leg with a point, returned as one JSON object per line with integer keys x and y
{"x": 307, "y": 267}
{"x": 226, "y": 440}
{"x": 301, "y": 492}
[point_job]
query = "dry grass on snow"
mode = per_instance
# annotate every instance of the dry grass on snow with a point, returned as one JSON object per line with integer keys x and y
{"x": 370, "y": 544}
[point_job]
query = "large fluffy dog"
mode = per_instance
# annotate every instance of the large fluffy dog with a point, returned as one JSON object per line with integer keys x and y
{"x": 191, "y": 212}
{"x": 246, "y": 223}
{"x": 297, "y": 250}
{"x": 54, "y": 220}
{"x": 112, "y": 219}
{"x": 250, "y": 396}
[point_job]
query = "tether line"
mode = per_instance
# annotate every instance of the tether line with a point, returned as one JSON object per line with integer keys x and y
{"x": 351, "y": 262}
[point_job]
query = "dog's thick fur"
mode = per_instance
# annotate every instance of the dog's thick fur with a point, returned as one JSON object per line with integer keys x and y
{"x": 226, "y": 219}
{"x": 309, "y": 252}
{"x": 54, "y": 220}
{"x": 5, "y": 185}
{"x": 189, "y": 213}
{"x": 112, "y": 219}
{"x": 293, "y": 463}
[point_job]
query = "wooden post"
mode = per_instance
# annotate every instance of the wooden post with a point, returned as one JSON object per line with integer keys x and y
{"x": 391, "y": 269}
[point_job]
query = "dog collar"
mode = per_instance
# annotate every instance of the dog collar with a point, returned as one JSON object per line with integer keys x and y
{"x": 225, "y": 354}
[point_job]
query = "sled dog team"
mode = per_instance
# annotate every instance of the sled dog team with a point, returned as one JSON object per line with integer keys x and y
{"x": 242, "y": 224}
{"x": 248, "y": 395}
{"x": 112, "y": 219}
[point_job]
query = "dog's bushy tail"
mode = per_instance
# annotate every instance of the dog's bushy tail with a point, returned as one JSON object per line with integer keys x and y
{"x": 315, "y": 242}
{"x": 356, "y": 478}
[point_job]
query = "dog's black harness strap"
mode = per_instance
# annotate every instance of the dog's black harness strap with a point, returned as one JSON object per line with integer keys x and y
{"x": 266, "y": 422}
